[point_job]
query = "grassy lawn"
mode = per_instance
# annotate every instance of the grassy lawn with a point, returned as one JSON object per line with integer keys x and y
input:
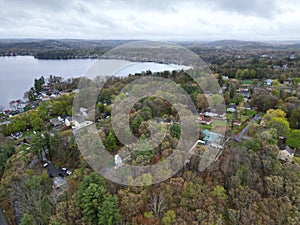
{"x": 250, "y": 113}
{"x": 206, "y": 127}
{"x": 244, "y": 118}
{"x": 247, "y": 82}
{"x": 229, "y": 117}
{"x": 216, "y": 125}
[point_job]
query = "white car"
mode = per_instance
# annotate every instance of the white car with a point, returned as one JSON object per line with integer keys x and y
{"x": 68, "y": 172}
{"x": 45, "y": 165}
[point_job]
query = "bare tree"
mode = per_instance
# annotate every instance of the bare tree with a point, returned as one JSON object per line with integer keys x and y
{"x": 157, "y": 203}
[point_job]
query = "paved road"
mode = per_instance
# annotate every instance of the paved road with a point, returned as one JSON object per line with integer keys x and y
{"x": 2, "y": 218}
{"x": 242, "y": 133}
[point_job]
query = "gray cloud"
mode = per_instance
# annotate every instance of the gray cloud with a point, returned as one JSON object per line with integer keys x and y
{"x": 171, "y": 19}
{"x": 261, "y": 8}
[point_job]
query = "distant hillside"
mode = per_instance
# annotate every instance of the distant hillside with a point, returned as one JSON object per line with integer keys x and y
{"x": 76, "y": 48}
{"x": 57, "y": 49}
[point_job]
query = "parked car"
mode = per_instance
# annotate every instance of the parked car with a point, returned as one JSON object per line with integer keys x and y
{"x": 66, "y": 171}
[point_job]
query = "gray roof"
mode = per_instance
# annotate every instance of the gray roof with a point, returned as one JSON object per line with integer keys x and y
{"x": 55, "y": 121}
{"x": 69, "y": 118}
{"x": 59, "y": 182}
{"x": 290, "y": 150}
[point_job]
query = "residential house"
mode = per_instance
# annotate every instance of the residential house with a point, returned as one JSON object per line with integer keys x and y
{"x": 231, "y": 109}
{"x": 225, "y": 77}
{"x": 245, "y": 91}
{"x": 205, "y": 119}
{"x": 16, "y": 135}
{"x": 118, "y": 160}
{"x": 286, "y": 155}
{"x": 68, "y": 121}
{"x": 59, "y": 182}
{"x": 84, "y": 112}
{"x": 7, "y": 112}
{"x": 269, "y": 82}
{"x": 80, "y": 123}
{"x": 285, "y": 152}
{"x": 237, "y": 123}
{"x": 55, "y": 122}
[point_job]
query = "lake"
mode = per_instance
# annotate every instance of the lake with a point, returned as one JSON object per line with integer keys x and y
{"x": 17, "y": 73}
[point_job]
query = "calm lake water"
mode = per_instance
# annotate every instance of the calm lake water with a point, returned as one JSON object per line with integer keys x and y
{"x": 17, "y": 74}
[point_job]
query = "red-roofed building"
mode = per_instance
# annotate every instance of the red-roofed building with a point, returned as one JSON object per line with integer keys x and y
{"x": 205, "y": 119}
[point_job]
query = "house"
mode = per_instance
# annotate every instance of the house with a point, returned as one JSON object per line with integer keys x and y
{"x": 210, "y": 114}
{"x": 16, "y": 135}
{"x": 292, "y": 57}
{"x": 225, "y": 77}
{"x": 59, "y": 182}
{"x": 264, "y": 56}
{"x": 205, "y": 120}
{"x": 123, "y": 155}
{"x": 44, "y": 98}
{"x": 276, "y": 67}
{"x": 285, "y": 66}
{"x": 168, "y": 121}
{"x": 286, "y": 155}
{"x": 80, "y": 123}
{"x": 118, "y": 160}
{"x": 245, "y": 91}
{"x": 55, "y": 122}
{"x": 269, "y": 82}
{"x": 84, "y": 111}
{"x": 231, "y": 109}
{"x": 7, "y": 112}
{"x": 237, "y": 123}
{"x": 54, "y": 95}
{"x": 285, "y": 152}
{"x": 68, "y": 121}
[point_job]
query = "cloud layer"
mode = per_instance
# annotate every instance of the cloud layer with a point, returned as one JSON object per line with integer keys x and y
{"x": 156, "y": 19}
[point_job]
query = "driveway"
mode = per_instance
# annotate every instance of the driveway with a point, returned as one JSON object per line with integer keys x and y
{"x": 242, "y": 133}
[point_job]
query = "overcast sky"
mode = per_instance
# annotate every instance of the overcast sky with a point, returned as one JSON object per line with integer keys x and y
{"x": 151, "y": 19}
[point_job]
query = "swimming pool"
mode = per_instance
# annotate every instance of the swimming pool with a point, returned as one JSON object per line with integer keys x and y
{"x": 212, "y": 137}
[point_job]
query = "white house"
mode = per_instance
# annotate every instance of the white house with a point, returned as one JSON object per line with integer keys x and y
{"x": 80, "y": 123}
{"x": 269, "y": 82}
{"x": 225, "y": 77}
{"x": 118, "y": 160}
{"x": 68, "y": 121}
{"x": 286, "y": 155}
{"x": 231, "y": 109}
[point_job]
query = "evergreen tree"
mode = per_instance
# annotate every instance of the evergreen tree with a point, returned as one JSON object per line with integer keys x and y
{"x": 111, "y": 142}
